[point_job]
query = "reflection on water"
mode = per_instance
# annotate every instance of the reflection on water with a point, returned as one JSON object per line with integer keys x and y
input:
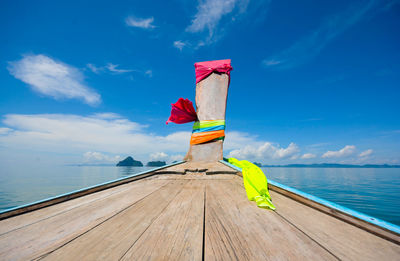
{"x": 20, "y": 185}
{"x": 375, "y": 192}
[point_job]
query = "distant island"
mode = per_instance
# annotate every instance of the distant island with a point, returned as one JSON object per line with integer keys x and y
{"x": 257, "y": 164}
{"x": 156, "y": 163}
{"x": 129, "y": 161}
{"x": 332, "y": 165}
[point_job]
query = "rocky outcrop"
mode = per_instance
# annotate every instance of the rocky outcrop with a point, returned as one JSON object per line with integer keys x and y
{"x": 129, "y": 161}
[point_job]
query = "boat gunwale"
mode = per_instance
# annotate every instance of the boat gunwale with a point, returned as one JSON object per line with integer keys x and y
{"x": 15, "y": 211}
{"x": 382, "y": 229}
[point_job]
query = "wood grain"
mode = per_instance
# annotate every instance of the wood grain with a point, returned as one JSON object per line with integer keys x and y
{"x": 33, "y": 240}
{"x": 16, "y": 222}
{"x": 111, "y": 239}
{"x": 236, "y": 229}
{"x": 345, "y": 240}
{"x": 374, "y": 229}
{"x": 72, "y": 195}
{"x": 177, "y": 234}
{"x": 186, "y": 217}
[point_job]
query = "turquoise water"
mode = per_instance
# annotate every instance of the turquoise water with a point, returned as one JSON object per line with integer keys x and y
{"x": 375, "y": 192}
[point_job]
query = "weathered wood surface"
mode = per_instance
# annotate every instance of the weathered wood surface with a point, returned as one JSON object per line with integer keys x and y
{"x": 345, "y": 240}
{"x": 185, "y": 217}
{"x": 210, "y": 168}
{"x": 211, "y": 96}
{"x": 178, "y": 233}
{"x": 371, "y": 228}
{"x": 56, "y": 230}
{"x": 73, "y": 195}
{"x": 263, "y": 235}
{"x": 113, "y": 238}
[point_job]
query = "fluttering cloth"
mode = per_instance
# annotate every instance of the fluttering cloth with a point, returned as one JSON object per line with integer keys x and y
{"x": 204, "y": 69}
{"x": 182, "y": 112}
{"x": 205, "y": 131}
{"x": 255, "y": 183}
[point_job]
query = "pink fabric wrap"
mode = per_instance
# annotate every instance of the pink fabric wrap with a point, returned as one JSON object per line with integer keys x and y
{"x": 203, "y": 69}
{"x": 182, "y": 112}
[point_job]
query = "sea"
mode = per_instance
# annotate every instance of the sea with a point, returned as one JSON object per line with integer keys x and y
{"x": 372, "y": 191}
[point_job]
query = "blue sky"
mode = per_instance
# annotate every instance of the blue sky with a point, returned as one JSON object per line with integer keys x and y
{"x": 313, "y": 81}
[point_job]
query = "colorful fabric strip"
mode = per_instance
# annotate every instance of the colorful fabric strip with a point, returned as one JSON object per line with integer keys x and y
{"x": 214, "y": 128}
{"x": 205, "y": 131}
{"x": 255, "y": 183}
{"x": 204, "y": 69}
{"x": 205, "y": 124}
{"x": 203, "y": 137}
{"x": 182, "y": 112}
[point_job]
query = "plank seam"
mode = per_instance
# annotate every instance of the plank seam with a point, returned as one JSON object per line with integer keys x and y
{"x": 204, "y": 224}
{"x": 19, "y": 210}
{"x": 90, "y": 229}
{"x": 320, "y": 207}
{"x": 65, "y": 211}
{"x": 152, "y": 222}
{"x": 290, "y": 223}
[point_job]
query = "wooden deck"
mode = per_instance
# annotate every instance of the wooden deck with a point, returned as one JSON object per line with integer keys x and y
{"x": 185, "y": 217}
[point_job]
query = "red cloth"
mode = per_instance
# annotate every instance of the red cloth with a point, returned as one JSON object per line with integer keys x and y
{"x": 203, "y": 69}
{"x": 182, "y": 112}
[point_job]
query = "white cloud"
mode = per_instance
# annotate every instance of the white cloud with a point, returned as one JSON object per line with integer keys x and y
{"x": 209, "y": 13}
{"x": 53, "y": 78}
{"x": 366, "y": 153}
{"x": 179, "y": 45}
{"x": 308, "y": 156}
{"x": 271, "y": 62}
{"x": 5, "y": 130}
{"x": 312, "y": 44}
{"x": 144, "y": 23}
{"x": 108, "y": 133}
{"x": 266, "y": 150}
{"x": 159, "y": 156}
{"x": 348, "y": 150}
{"x": 215, "y": 16}
{"x": 162, "y": 156}
{"x": 113, "y": 68}
{"x": 94, "y": 68}
{"x": 177, "y": 157}
{"x": 101, "y": 136}
{"x": 94, "y": 156}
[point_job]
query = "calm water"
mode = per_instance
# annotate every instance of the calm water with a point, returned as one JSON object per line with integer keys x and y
{"x": 375, "y": 192}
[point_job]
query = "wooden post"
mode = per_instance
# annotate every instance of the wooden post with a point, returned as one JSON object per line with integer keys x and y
{"x": 211, "y": 96}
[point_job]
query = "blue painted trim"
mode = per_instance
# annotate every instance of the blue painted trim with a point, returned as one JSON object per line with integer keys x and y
{"x": 230, "y": 165}
{"x": 213, "y": 128}
{"x": 376, "y": 221}
{"x": 91, "y": 187}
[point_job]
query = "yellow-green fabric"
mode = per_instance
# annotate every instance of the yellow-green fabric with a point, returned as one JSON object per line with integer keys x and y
{"x": 206, "y": 124}
{"x": 255, "y": 183}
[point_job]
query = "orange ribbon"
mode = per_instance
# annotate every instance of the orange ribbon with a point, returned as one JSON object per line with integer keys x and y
{"x": 202, "y": 137}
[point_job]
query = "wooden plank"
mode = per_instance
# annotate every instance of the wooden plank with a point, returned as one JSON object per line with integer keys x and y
{"x": 194, "y": 176}
{"x": 80, "y": 193}
{"x": 344, "y": 240}
{"x": 210, "y": 168}
{"x": 50, "y": 233}
{"x": 236, "y": 229}
{"x": 111, "y": 239}
{"x": 177, "y": 234}
{"x": 16, "y": 222}
{"x": 372, "y": 228}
